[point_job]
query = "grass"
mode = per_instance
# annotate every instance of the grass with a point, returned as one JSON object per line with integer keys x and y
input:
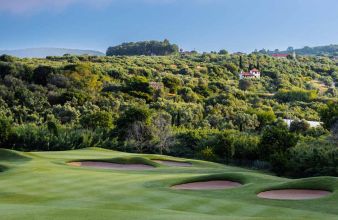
{"x": 40, "y": 185}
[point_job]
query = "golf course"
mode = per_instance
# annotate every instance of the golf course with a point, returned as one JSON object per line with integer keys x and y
{"x": 80, "y": 185}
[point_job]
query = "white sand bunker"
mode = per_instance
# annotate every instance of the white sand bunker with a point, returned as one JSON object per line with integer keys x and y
{"x": 107, "y": 165}
{"x": 293, "y": 194}
{"x": 213, "y": 184}
{"x": 173, "y": 163}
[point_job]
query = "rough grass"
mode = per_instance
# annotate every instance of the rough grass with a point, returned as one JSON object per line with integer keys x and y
{"x": 235, "y": 177}
{"x": 10, "y": 156}
{"x": 2, "y": 168}
{"x": 45, "y": 187}
{"x": 124, "y": 160}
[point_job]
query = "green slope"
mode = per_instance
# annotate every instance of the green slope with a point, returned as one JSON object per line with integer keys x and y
{"x": 45, "y": 187}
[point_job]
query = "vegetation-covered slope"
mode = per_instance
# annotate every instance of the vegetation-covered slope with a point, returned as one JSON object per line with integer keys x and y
{"x": 185, "y": 105}
{"x": 329, "y": 50}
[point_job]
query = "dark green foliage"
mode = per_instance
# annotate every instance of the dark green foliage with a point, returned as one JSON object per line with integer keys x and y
{"x": 296, "y": 95}
{"x": 299, "y": 126}
{"x": 245, "y": 84}
{"x": 147, "y": 48}
{"x": 52, "y": 128}
{"x": 139, "y": 83}
{"x": 265, "y": 117}
{"x": 223, "y": 52}
{"x": 95, "y": 120}
{"x": 313, "y": 157}
{"x": 41, "y": 74}
{"x": 7, "y": 58}
{"x": 329, "y": 115}
{"x": 5, "y": 129}
{"x": 276, "y": 140}
{"x": 316, "y": 132}
{"x": 171, "y": 82}
{"x": 139, "y": 86}
{"x": 131, "y": 116}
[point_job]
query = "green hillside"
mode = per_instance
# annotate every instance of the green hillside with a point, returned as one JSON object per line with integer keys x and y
{"x": 188, "y": 105}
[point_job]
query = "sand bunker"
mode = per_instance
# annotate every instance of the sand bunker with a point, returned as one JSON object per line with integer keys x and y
{"x": 173, "y": 163}
{"x": 293, "y": 194}
{"x": 107, "y": 165}
{"x": 214, "y": 184}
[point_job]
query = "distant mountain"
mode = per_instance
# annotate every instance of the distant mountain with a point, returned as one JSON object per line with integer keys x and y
{"x": 43, "y": 52}
{"x": 329, "y": 50}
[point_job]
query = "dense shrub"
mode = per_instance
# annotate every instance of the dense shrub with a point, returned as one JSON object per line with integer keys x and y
{"x": 313, "y": 157}
{"x": 5, "y": 129}
{"x": 296, "y": 95}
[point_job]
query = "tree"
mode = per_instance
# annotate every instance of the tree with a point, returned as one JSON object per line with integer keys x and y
{"x": 171, "y": 82}
{"x": 223, "y": 52}
{"x": 265, "y": 117}
{"x": 290, "y": 49}
{"x": 100, "y": 119}
{"x": 66, "y": 113}
{"x": 7, "y": 58}
{"x": 147, "y": 48}
{"x": 138, "y": 136}
{"x": 334, "y": 132}
{"x": 276, "y": 140}
{"x": 241, "y": 66}
{"x": 329, "y": 115}
{"x": 52, "y": 128}
{"x": 162, "y": 131}
{"x": 129, "y": 117}
{"x": 245, "y": 84}
{"x": 41, "y": 74}
{"x": 299, "y": 126}
{"x": 5, "y": 129}
{"x": 246, "y": 122}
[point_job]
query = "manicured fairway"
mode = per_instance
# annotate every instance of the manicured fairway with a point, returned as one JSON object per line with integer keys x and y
{"x": 42, "y": 186}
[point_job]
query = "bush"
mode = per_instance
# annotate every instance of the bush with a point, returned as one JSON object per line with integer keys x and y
{"x": 299, "y": 126}
{"x": 329, "y": 115}
{"x": 5, "y": 129}
{"x": 95, "y": 120}
{"x": 296, "y": 95}
{"x": 313, "y": 157}
{"x": 276, "y": 141}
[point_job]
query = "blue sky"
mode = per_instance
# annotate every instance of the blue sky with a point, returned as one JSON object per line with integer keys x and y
{"x": 204, "y": 25}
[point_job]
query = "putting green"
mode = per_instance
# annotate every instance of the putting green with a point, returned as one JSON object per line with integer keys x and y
{"x": 42, "y": 186}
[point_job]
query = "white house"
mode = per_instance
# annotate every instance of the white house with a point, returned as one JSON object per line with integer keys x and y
{"x": 254, "y": 73}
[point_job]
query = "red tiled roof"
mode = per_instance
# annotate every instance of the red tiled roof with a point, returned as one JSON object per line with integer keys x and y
{"x": 280, "y": 55}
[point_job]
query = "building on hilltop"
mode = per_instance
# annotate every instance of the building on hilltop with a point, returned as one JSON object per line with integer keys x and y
{"x": 252, "y": 74}
{"x": 280, "y": 55}
{"x": 284, "y": 55}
